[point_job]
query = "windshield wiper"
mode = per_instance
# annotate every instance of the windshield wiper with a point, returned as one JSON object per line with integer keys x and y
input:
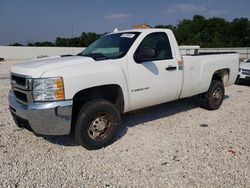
{"x": 95, "y": 56}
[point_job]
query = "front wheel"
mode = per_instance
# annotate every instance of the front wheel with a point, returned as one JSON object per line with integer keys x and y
{"x": 97, "y": 125}
{"x": 213, "y": 98}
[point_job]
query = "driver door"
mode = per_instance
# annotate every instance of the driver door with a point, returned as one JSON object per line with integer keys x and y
{"x": 156, "y": 80}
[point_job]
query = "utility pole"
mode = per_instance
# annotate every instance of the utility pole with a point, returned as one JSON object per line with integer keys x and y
{"x": 72, "y": 35}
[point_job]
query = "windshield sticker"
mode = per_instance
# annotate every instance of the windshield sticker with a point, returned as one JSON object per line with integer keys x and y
{"x": 128, "y": 35}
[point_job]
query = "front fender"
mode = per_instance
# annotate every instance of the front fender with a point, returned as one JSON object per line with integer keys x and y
{"x": 78, "y": 78}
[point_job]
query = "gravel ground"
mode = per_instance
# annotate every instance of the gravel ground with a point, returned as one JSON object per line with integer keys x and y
{"x": 176, "y": 144}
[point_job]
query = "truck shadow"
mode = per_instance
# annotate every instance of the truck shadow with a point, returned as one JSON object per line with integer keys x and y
{"x": 132, "y": 119}
{"x": 138, "y": 117}
{"x": 142, "y": 116}
{"x": 66, "y": 140}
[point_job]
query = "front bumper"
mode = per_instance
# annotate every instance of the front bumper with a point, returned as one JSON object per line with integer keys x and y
{"x": 45, "y": 118}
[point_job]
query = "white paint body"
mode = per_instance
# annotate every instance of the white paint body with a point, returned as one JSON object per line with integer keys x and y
{"x": 80, "y": 73}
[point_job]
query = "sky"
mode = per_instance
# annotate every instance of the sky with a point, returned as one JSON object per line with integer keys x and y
{"x": 25, "y": 21}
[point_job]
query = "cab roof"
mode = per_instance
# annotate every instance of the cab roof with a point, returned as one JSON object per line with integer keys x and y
{"x": 143, "y": 30}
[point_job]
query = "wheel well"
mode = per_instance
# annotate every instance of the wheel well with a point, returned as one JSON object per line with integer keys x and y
{"x": 221, "y": 75}
{"x": 112, "y": 93}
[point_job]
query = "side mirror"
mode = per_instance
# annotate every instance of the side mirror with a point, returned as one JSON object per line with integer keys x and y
{"x": 144, "y": 54}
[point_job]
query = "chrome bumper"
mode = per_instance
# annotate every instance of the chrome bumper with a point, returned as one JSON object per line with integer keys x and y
{"x": 45, "y": 118}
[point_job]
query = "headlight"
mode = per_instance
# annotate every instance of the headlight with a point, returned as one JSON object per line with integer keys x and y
{"x": 48, "y": 89}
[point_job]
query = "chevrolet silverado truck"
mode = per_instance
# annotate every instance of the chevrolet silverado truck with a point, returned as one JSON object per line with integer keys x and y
{"x": 122, "y": 71}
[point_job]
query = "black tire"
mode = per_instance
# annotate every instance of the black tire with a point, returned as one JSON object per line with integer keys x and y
{"x": 213, "y": 98}
{"x": 97, "y": 125}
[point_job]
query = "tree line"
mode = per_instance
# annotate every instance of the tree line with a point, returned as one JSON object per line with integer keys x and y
{"x": 212, "y": 32}
{"x": 85, "y": 39}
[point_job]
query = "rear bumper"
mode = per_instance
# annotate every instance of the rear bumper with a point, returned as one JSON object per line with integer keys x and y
{"x": 45, "y": 118}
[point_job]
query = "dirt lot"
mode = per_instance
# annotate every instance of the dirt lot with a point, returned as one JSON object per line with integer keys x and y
{"x": 176, "y": 144}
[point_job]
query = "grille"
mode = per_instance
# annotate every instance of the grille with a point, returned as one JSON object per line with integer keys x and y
{"x": 18, "y": 80}
{"x": 245, "y": 71}
{"x": 21, "y": 86}
{"x": 21, "y": 96}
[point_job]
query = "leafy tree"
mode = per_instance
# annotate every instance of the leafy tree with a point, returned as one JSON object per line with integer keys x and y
{"x": 213, "y": 32}
{"x": 30, "y": 44}
{"x": 89, "y": 38}
{"x": 61, "y": 42}
{"x": 16, "y": 44}
{"x": 84, "y": 40}
{"x": 240, "y": 30}
{"x": 44, "y": 44}
{"x": 171, "y": 27}
{"x": 184, "y": 32}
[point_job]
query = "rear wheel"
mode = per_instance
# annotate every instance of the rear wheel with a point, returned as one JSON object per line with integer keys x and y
{"x": 97, "y": 125}
{"x": 213, "y": 98}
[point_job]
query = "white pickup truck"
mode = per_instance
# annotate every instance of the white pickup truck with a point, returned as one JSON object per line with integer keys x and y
{"x": 244, "y": 71}
{"x": 120, "y": 72}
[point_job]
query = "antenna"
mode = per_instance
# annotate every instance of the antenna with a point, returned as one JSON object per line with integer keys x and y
{"x": 72, "y": 28}
{"x": 72, "y": 36}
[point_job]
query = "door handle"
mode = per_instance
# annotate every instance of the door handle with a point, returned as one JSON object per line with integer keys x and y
{"x": 170, "y": 68}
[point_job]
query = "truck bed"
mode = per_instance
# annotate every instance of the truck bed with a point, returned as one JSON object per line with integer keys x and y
{"x": 212, "y": 53}
{"x": 200, "y": 68}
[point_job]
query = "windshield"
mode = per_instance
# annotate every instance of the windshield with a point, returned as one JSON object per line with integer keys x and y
{"x": 111, "y": 46}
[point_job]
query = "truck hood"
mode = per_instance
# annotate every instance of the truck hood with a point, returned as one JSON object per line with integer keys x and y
{"x": 37, "y": 67}
{"x": 245, "y": 66}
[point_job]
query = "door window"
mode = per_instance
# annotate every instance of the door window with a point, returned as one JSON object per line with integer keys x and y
{"x": 160, "y": 43}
